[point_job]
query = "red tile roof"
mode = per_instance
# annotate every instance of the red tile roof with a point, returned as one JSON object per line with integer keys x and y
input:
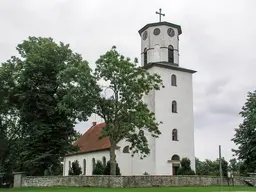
{"x": 89, "y": 140}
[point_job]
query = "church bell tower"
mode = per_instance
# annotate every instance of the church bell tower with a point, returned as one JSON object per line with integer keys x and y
{"x": 160, "y": 43}
{"x": 172, "y": 104}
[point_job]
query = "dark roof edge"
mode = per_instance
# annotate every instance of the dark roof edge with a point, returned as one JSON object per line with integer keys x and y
{"x": 80, "y": 153}
{"x": 168, "y": 66}
{"x": 160, "y": 23}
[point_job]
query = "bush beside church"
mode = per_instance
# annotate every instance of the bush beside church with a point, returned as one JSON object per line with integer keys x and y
{"x": 101, "y": 169}
{"x": 75, "y": 169}
{"x": 185, "y": 168}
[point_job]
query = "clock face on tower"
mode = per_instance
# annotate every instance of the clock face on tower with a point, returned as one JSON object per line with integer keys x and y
{"x": 145, "y": 35}
{"x": 171, "y": 32}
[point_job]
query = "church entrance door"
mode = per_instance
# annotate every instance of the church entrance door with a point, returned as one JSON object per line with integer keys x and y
{"x": 175, "y": 168}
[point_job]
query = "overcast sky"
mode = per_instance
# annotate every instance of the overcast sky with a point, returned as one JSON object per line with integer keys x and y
{"x": 218, "y": 41}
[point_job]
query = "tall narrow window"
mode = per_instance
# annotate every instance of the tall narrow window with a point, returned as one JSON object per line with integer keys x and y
{"x": 104, "y": 161}
{"x": 145, "y": 56}
{"x": 93, "y": 164}
{"x": 170, "y": 54}
{"x": 174, "y": 106}
{"x": 175, "y": 135}
{"x": 84, "y": 167}
{"x": 174, "y": 80}
{"x": 141, "y": 133}
{"x": 69, "y": 165}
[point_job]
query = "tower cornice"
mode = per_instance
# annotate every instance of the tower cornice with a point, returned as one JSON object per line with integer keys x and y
{"x": 160, "y": 23}
{"x": 168, "y": 66}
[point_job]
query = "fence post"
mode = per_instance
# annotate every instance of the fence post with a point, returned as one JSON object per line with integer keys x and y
{"x": 17, "y": 179}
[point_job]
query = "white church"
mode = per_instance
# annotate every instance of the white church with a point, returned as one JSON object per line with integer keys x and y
{"x": 172, "y": 105}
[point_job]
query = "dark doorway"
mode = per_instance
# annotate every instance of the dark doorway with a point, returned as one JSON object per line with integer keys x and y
{"x": 175, "y": 169}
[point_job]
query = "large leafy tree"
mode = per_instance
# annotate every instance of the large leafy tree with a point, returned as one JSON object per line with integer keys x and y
{"x": 245, "y": 134}
{"x": 124, "y": 112}
{"x": 54, "y": 87}
{"x": 10, "y": 131}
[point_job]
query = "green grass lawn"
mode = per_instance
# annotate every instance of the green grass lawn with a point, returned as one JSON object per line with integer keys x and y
{"x": 167, "y": 189}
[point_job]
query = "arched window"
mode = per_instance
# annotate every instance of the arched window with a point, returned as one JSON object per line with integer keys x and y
{"x": 141, "y": 133}
{"x": 175, "y": 158}
{"x": 174, "y": 106}
{"x": 104, "y": 161}
{"x": 145, "y": 56}
{"x": 93, "y": 163}
{"x": 170, "y": 54}
{"x": 126, "y": 149}
{"x": 175, "y": 135}
{"x": 84, "y": 167}
{"x": 174, "y": 80}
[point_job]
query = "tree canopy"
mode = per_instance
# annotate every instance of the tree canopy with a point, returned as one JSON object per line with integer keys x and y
{"x": 47, "y": 89}
{"x": 10, "y": 129}
{"x": 127, "y": 117}
{"x": 245, "y": 134}
{"x": 209, "y": 167}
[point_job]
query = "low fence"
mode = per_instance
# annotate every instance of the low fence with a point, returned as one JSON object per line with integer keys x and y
{"x": 124, "y": 181}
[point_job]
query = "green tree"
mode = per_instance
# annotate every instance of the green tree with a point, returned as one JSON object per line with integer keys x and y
{"x": 233, "y": 164}
{"x": 125, "y": 114}
{"x": 107, "y": 169}
{"x": 243, "y": 169}
{"x": 245, "y": 134}
{"x": 76, "y": 136}
{"x": 224, "y": 166}
{"x": 209, "y": 167}
{"x": 53, "y": 89}
{"x": 10, "y": 130}
{"x": 99, "y": 168}
{"x": 238, "y": 166}
{"x": 201, "y": 167}
{"x": 75, "y": 169}
{"x": 185, "y": 168}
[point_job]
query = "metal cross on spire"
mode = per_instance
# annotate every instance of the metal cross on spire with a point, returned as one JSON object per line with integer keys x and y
{"x": 160, "y": 14}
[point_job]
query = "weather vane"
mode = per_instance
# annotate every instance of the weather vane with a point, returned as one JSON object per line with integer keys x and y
{"x": 160, "y": 14}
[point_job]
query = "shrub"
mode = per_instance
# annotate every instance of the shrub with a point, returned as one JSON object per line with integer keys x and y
{"x": 107, "y": 169}
{"x": 185, "y": 168}
{"x": 75, "y": 169}
{"x": 99, "y": 168}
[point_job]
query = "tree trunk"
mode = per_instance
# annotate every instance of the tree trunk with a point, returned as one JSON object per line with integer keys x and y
{"x": 112, "y": 158}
